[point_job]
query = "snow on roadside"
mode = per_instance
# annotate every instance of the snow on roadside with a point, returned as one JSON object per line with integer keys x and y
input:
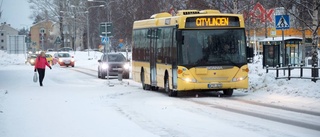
{"x": 11, "y": 59}
{"x": 260, "y": 81}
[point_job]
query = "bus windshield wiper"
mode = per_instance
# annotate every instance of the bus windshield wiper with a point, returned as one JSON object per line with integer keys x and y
{"x": 232, "y": 62}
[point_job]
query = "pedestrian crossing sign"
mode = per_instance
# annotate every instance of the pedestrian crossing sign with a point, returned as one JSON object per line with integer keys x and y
{"x": 282, "y": 22}
{"x": 104, "y": 40}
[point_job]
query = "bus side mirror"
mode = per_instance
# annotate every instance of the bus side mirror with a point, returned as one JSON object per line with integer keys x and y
{"x": 179, "y": 37}
{"x": 250, "y": 54}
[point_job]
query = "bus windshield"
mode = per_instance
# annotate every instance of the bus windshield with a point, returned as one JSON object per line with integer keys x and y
{"x": 212, "y": 47}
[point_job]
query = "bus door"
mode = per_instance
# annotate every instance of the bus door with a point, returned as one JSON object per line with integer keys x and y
{"x": 174, "y": 58}
{"x": 153, "y": 56}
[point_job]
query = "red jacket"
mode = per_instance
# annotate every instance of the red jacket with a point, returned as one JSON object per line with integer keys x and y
{"x": 41, "y": 63}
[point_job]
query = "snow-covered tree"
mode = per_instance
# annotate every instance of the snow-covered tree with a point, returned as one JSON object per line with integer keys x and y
{"x": 310, "y": 10}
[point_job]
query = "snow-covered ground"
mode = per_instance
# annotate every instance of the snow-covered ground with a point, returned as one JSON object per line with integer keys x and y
{"x": 74, "y": 103}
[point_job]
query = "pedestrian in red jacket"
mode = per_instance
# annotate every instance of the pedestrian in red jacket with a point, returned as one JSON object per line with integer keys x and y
{"x": 40, "y": 65}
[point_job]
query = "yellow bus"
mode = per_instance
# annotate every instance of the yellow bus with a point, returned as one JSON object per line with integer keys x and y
{"x": 193, "y": 50}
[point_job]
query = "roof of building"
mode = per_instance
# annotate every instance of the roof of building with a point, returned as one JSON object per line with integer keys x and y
{"x": 43, "y": 21}
{"x": 5, "y": 26}
{"x": 279, "y": 39}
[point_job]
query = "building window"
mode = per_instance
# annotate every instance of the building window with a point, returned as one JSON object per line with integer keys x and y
{"x": 42, "y": 31}
{"x": 2, "y": 34}
{"x": 2, "y": 40}
{"x": 2, "y": 47}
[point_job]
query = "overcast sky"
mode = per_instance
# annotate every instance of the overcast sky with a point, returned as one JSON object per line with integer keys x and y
{"x": 16, "y": 13}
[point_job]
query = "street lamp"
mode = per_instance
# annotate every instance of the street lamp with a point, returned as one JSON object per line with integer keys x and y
{"x": 88, "y": 41}
{"x": 106, "y": 3}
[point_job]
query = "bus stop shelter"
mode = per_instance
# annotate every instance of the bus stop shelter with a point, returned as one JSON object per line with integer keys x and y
{"x": 293, "y": 52}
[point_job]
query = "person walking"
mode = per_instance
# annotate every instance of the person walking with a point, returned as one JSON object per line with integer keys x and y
{"x": 40, "y": 66}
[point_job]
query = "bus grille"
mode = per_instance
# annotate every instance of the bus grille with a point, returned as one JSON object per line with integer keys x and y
{"x": 214, "y": 78}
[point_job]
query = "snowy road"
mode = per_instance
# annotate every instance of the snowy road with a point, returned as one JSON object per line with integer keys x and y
{"x": 75, "y": 103}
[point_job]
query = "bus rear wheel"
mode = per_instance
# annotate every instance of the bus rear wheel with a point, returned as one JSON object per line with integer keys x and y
{"x": 228, "y": 92}
{"x": 170, "y": 92}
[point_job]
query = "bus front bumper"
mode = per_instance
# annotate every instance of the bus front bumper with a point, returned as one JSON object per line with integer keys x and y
{"x": 189, "y": 85}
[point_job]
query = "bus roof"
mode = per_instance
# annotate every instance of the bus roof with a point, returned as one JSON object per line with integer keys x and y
{"x": 165, "y": 19}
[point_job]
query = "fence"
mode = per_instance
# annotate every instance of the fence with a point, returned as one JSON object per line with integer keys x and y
{"x": 314, "y": 71}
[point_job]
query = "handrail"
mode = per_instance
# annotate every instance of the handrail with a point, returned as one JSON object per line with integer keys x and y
{"x": 314, "y": 72}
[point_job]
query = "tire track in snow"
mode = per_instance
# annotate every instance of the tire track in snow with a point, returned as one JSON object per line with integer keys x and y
{"x": 277, "y": 107}
{"x": 259, "y": 115}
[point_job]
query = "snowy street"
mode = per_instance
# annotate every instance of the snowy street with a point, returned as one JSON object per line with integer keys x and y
{"x": 74, "y": 102}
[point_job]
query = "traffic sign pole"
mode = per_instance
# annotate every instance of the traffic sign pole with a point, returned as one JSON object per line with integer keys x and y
{"x": 106, "y": 31}
{"x": 282, "y": 22}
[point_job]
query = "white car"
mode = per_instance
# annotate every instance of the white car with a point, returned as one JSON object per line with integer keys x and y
{"x": 64, "y": 59}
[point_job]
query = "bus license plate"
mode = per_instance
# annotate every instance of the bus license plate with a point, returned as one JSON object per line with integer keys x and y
{"x": 219, "y": 85}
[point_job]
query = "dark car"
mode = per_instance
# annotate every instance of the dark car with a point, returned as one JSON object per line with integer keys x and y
{"x": 117, "y": 63}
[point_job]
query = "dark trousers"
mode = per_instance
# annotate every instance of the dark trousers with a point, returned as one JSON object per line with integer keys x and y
{"x": 41, "y": 73}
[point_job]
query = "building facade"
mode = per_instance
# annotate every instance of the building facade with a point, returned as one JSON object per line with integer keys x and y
{"x": 5, "y": 31}
{"x": 40, "y": 34}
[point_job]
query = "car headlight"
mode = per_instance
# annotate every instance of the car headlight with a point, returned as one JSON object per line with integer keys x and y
{"x": 72, "y": 60}
{"x": 31, "y": 60}
{"x": 104, "y": 66}
{"x": 126, "y": 66}
{"x": 60, "y": 60}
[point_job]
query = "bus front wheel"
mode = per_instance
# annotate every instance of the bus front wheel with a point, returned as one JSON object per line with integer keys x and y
{"x": 228, "y": 92}
{"x": 170, "y": 92}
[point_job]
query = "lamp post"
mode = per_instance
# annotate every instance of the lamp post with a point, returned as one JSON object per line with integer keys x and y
{"x": 88, "y": 41}
{"x": 106, "y": 3}
{"x": 74, "y": 29}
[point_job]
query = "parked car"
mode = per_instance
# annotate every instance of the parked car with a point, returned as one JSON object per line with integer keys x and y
{"x": 64, "y": 59}
{"x": 31, "y": 59}
{"x": 116, "y": 63}
{"x": 50, "y": 50}
{"x": 65, "y": 49}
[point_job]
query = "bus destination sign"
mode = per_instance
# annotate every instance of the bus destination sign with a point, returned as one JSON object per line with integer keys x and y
{"x": 216, "y": 21}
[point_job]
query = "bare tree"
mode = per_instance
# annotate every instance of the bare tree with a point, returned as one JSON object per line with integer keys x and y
{"x": 197, "y": 4}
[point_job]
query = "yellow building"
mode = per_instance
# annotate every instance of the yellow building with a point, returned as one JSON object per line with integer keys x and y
{"x": 40, "y": 35}
{"x": 292, "y": 32}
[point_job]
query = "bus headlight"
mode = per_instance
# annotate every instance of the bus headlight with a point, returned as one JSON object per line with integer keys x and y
{"x": 189, "y": 80}
{"x": 239, "y": 79}
{"x": 104, "y": 66}
{"x": 126, "y": 66}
